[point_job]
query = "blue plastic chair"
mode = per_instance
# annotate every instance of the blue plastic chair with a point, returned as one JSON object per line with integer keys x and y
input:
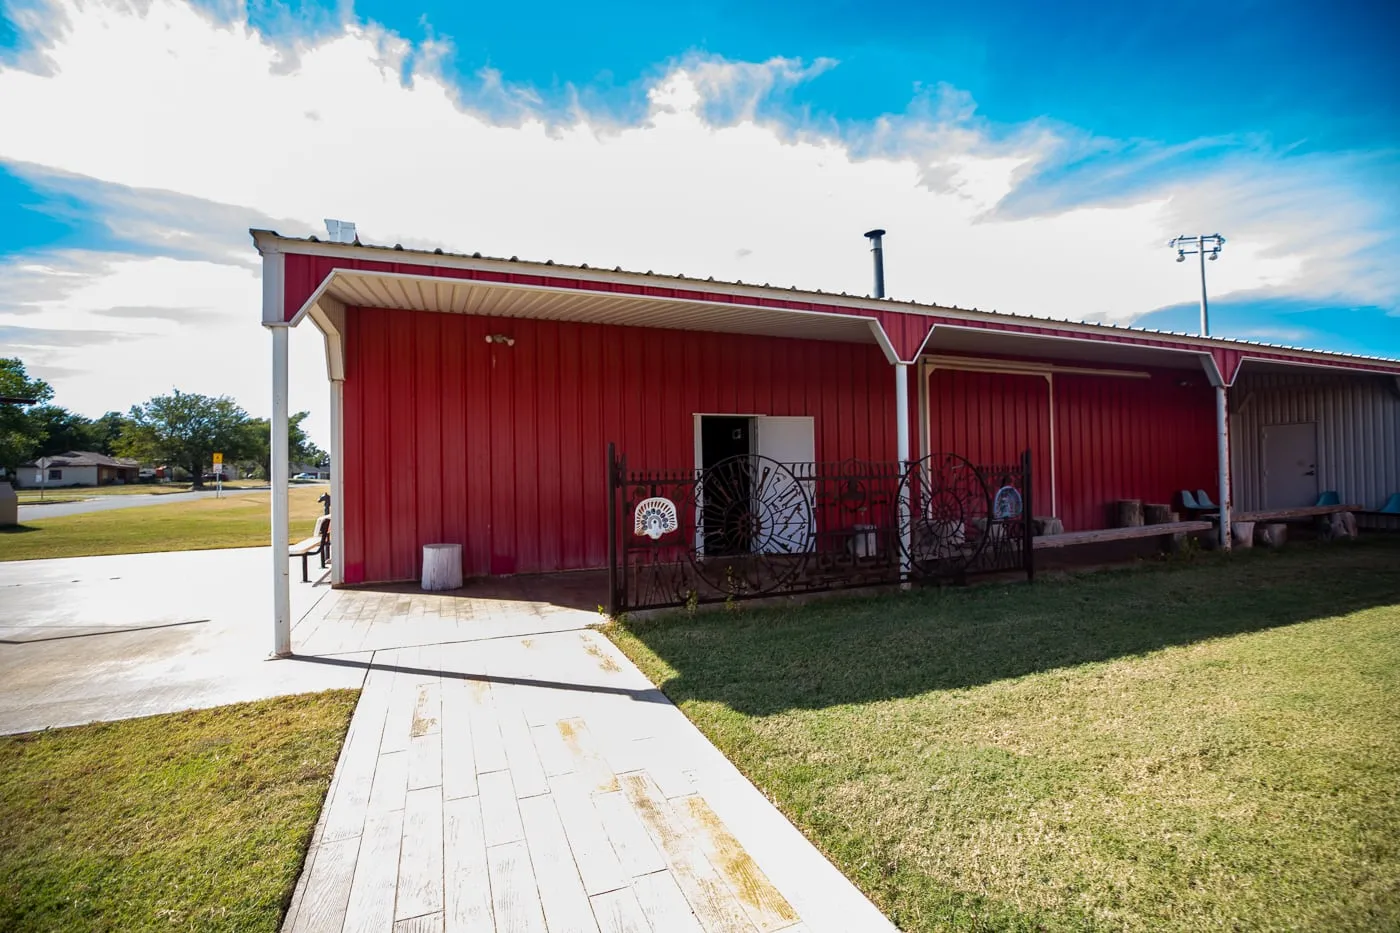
{"x": 1203, "y": 500}
{"x": 1188, "y": 502}
{"x": 1392, "y": 505}
{"x": 1329, "y": 497}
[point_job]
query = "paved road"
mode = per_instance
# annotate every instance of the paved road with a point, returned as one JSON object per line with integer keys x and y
{"x": 103, "y": 503}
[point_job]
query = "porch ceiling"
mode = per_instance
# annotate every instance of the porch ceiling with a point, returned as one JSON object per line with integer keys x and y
{"x": 985, "y": 341}
{"x": 458, "y": 296}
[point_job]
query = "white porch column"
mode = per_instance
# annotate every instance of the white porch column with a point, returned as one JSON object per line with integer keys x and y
{"x": 901, "y": 411}
{"x": 901, "y": 448}
{"x": 1222, "y": 456}
{"x": 337, "y": 482}
{"x": 278, "y": 468}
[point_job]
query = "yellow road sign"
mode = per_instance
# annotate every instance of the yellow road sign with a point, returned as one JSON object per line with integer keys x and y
{"x": 218, "y": 459}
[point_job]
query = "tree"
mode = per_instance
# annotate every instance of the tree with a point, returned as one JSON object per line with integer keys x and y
{"x": 20, "y": 435}
{"x": 105, "y": 432}
{"x": 185, "y": 429}
{"x": 300, "y": 448}
{"x": 63, "y": 430}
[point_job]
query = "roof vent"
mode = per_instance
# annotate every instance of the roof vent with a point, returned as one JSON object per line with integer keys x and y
{"x": 340, "y": 231}
{"x": 877, "y": 252}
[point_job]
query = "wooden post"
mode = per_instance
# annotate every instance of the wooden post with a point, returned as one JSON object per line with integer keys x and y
{"x": 1242, "y": 534}
{"x": 1130, "y": 513}
{"x": 442, "y": 566}
{"x": 1156, "y": 514}
{"x": 1336, "y": 525}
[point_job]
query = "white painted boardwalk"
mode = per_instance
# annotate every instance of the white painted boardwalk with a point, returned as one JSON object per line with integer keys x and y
{"x": 508, "y": 770}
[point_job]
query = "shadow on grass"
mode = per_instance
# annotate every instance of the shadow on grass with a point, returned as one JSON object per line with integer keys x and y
{"x": 764, "y": 661}
{"x": 16, "y": 529}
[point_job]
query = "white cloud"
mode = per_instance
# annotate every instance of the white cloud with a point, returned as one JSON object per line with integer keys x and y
{"x": 163, "y": 96}
{"x": 119, "y": 330}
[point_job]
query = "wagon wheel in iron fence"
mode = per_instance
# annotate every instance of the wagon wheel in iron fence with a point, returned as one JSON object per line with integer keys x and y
{"x": 944, "y": 530}
{"x": 756, "y": 525}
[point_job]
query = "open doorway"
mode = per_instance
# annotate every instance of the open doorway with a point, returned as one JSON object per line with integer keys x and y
{"x": 746, "y": 503}
{"x": 727, "y": 490}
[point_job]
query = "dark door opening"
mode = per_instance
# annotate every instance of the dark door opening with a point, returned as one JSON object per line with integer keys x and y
{"x": 726, "y": 487}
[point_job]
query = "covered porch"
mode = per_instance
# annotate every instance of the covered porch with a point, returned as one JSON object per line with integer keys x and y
{"x": 473, "y": 399}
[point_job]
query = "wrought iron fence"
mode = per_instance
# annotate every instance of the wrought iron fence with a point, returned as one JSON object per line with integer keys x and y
{"x": 750, "y": 526}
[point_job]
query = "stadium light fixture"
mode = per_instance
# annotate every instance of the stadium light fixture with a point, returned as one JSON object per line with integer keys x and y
{"x": 1207, "y": 246}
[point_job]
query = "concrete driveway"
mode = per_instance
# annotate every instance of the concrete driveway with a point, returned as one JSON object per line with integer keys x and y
{"x": 89, "y": 638}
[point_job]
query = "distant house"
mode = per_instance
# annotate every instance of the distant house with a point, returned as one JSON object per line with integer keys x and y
{"x": 77, "y": 468}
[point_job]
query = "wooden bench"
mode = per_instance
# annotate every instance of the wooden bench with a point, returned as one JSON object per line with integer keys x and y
{"x": 1097, "y": 535}
{"x": 318, "y": 543}
{"x": 1269, "y": 525}
{"x": 304, "y": 549}
{"x": 1293, "y": 515}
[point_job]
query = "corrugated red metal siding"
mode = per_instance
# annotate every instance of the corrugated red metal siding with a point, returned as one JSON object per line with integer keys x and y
{"x": 502, "y": 449}
{"x": 1114, "y": 438}
{"x": 990, "y": 418}
{"x": 1130, "y": 439}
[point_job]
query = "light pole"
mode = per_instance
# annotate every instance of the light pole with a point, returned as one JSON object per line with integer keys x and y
{"x": 1207, "y": 246}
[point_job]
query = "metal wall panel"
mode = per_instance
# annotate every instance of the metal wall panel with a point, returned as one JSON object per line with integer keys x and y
{"x": 1113, "y": 438}
{"x": 1358, "y": 433}
{"x": 990, "y": 419}
{"x": 502, "y": 448}
{"x": 1121, "y": 438}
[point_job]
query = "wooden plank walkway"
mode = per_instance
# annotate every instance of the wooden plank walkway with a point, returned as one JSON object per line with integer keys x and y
{"x": 538, "y": 783}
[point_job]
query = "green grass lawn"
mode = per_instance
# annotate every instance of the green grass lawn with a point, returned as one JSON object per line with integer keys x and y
{"x": 1204, "y": 746}
{"x": 236, "y": 520}
{"x": 192, "y": 821}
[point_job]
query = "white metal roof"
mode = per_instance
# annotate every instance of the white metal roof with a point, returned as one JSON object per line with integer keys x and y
{"x": 435, "y": 293}
{"x": 430, "y": 293}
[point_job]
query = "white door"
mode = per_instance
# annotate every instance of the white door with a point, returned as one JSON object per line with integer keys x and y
{"x": 1290, "y": 465}
{"x": 784, "y": 504}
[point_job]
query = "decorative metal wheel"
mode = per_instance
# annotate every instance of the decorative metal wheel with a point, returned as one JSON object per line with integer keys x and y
{"x": 755, "y": 525}
{"x": 945, "y": 527}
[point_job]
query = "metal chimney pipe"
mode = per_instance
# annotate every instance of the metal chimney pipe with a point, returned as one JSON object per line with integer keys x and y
{"x": 877, "y": 252}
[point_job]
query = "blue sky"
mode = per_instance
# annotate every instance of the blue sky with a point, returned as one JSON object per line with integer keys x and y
{"x": 1033, "y": 138}
{"x": 1310, "y": 75}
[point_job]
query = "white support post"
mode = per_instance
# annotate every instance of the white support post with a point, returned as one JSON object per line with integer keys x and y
{"x": 901, "y": 447}
{"x": 278, "y": 469}
{"x": 337, "y": 482}
{"x": 1222, "y": 454}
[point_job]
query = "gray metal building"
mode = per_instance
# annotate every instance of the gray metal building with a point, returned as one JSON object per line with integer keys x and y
{"x": 1294, "y": 436}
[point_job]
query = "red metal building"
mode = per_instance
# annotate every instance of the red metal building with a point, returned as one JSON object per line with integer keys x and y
{"x": 473, "y": 399}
